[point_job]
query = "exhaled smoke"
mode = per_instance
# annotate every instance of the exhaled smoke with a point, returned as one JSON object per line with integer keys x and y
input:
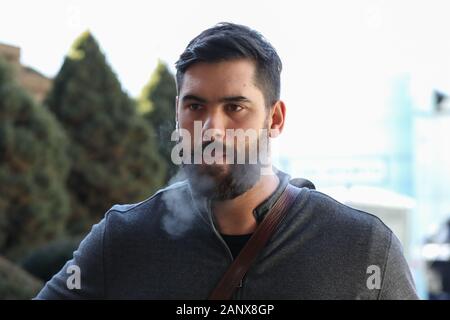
{"x": 214, "y": 186}
{"x": 179, "y": 216}
{"x": 214, "y": 181}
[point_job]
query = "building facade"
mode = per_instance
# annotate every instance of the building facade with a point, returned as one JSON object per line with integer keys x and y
{"x": 31, "y": 80}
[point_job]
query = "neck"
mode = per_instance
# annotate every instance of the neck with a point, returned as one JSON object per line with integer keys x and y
{"x": 235, "y": 216}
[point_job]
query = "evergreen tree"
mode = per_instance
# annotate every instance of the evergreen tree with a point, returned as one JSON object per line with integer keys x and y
{"x": 157, "y": 105}
{"x": 16, "y": 283}
{"x": 115, "y": 156}
{"x": 33, "y": 170}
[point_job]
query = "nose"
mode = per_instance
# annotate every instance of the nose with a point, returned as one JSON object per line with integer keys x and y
{"x": 214, "y": 125}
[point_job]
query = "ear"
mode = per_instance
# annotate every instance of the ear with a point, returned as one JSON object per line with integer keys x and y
{"x": 277, "y": 116}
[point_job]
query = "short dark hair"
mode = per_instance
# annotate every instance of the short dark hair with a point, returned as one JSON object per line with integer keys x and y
{"x": 227, "y": 41}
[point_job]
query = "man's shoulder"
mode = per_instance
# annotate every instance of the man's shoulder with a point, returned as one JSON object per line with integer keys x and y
{"x": 135, "y": 212}
{"x": 344, "y": 218}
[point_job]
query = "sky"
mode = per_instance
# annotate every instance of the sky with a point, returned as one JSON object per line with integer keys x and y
{"x": 339, "y": 57}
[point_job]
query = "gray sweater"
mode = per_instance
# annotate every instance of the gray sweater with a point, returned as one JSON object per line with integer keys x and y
{"x": 167, "y": 247}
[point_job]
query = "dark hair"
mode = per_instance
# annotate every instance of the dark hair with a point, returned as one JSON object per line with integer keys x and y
{"x": 228, "y": 41}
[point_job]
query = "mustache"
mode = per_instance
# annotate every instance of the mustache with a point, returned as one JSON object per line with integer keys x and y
{"x": 232, "y": 150}
{"x": 218, "y": 145}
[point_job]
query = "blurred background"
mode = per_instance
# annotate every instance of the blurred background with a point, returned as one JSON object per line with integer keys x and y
{"x": 87, "y": 106}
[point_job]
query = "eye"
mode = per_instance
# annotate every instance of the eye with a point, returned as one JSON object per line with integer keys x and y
{"x": 194, "y": 106}
{"x": 234, "y": 108}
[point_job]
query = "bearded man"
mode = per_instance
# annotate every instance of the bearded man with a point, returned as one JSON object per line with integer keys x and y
{"x": 179, "y": 243}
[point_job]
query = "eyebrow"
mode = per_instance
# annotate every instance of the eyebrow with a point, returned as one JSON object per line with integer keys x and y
{"x": 191, "y": 97}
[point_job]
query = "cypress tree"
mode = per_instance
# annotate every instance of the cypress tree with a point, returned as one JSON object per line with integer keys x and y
{"x": 34, "y": 202}
{"x": 157, "y": 105}
{"x": 115, "y": 157}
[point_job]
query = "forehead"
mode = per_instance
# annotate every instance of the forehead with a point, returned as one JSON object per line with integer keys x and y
{"x": 225, "y": 77}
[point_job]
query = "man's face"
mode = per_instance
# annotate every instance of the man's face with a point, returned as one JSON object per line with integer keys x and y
{"x": 222, "y": 96}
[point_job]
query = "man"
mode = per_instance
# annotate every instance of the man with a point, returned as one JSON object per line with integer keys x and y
{"x": 179, "y": 243}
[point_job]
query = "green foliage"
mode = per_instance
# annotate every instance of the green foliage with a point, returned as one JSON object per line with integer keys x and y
{"x": 157, "y": 104}
{"x": 15, "y": 283}
{"x": 33, "y": 170}
{"x": 47, "y": 260}
{"x": 115, "y": 156}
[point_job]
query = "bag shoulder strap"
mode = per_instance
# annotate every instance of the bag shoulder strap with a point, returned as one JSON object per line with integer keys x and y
{"x": 237, "y": 270}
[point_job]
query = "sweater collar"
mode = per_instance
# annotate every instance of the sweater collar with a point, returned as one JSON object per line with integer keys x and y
{"x": 262, "y": 209}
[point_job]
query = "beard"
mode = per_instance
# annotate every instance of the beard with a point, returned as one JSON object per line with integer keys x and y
{"x": 220, "y": 182}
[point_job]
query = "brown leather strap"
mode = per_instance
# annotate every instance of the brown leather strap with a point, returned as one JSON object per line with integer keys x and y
{"x": 236, "y": 272}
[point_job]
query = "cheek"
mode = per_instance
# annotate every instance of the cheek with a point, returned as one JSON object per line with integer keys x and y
{"x": 185, "y": 121}
{"x": 254, "y": 119}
